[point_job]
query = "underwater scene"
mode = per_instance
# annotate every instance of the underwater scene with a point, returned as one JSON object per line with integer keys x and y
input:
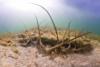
{"x": 49, "y": 33}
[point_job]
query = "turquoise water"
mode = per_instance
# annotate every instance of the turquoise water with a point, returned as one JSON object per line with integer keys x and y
{"x": 76, "y": 25}
{"x": 22, "y": 22}
{"x": 90, "y": 26}
{"x": 18, "y": 23}
{"x": 15, "y": 18}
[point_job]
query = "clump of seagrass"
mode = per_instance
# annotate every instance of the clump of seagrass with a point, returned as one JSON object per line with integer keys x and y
{"x": 66, "y": 45}
{"x": 72, "y": 45}
{"x": 39, "y": 38}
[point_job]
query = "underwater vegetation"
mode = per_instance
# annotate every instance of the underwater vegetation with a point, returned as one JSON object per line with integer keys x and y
{"x": 64, "y": 44}
{"x": 46, "y": 41}
{"x": 60, "y": 42}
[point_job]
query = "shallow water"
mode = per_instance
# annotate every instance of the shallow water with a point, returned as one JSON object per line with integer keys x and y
{"x": 81, "y": 26}
{"x": 18, "y": 24}
{"x": 15, "y": 18}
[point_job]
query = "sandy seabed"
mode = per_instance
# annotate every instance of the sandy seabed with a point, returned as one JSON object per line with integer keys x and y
{"x": 31, "y": 57}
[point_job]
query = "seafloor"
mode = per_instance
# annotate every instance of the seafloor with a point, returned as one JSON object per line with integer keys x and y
{"x": 13, "y": 54}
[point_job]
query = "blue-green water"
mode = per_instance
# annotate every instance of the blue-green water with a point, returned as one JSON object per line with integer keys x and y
{"x": 81, "y": 25}
{"x": 15, "y": 17}
{"x": 22, "y": 21}
{"x": 76, "y": 25}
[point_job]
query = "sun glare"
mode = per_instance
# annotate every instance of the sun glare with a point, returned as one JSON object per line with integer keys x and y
{"x": 24, "y": 5}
